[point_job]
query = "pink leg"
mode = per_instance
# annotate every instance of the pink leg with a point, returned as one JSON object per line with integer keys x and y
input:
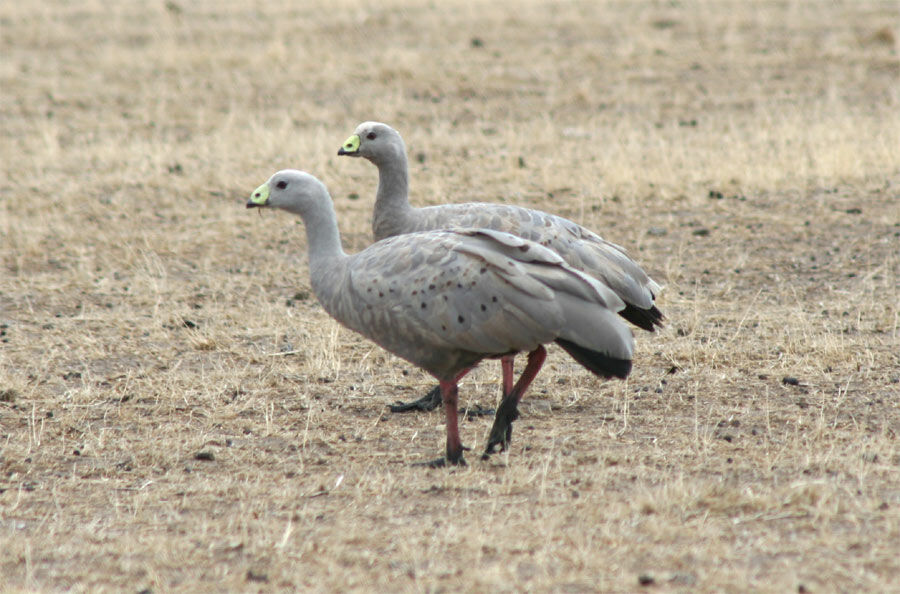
{"x": 506, "y": 363}
{"x": 450, "y": 397}
{"x": 508, "y": 411}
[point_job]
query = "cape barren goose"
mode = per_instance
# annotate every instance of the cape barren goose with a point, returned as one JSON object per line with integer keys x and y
{"x": 444, "y": 300}
{"x": 579, "y": 247}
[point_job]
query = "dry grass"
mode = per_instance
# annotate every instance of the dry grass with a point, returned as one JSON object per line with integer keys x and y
{"x": 746, "y": 153}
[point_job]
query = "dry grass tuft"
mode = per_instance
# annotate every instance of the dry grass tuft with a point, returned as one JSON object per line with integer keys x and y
{"x": 178, "y": 413}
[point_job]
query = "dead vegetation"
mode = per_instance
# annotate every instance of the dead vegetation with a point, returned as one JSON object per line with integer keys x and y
{"x": 177, "y": 413}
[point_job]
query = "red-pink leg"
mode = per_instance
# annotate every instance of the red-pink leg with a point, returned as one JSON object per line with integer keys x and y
{"x": 450, "y": 397}
{"x": 508, "y": 411}
{"x": 506, "y": 363}
{"x": 535, "y": 362}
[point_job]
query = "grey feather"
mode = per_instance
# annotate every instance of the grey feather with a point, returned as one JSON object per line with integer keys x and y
{"x": 446, "y": 299}
{"x": 581, "y": 248}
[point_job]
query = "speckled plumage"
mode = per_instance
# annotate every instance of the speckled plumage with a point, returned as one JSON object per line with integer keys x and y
{"x": 578, "y": 246}
{"x": 446, "y": 299}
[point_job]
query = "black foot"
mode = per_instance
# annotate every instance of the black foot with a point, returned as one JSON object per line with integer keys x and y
{"x": 469, "y": 412}
{"x": 428, "y": 402}
{"x": 501, "y": 431}
{"x": 452, "y": 459}
{"x": 432, "y": 400}
{"x": 441, "y": 463}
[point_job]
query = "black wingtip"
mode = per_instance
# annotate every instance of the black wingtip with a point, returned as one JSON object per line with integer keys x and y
{"x": 646, "y": 319}
{"x": 597, "y": 362}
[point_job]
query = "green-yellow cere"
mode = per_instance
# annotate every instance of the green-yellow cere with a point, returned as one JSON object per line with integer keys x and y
{"x": 351, "y": 145}
{"x": 260, "y": 195}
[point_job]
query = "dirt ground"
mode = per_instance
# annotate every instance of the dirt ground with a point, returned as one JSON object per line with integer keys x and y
{"x": 177, "y": 413}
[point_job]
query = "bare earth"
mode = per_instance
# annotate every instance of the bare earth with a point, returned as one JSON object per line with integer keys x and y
{"x": 178, "y": 413}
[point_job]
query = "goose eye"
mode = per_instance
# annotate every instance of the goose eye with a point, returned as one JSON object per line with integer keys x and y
{"x": 371, "y": 136}
{"x": 281, "y": 185}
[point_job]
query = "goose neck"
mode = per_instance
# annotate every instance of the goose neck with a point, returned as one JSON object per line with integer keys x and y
{"x": 392, "y": 206}
{"x": 326, "y": 255}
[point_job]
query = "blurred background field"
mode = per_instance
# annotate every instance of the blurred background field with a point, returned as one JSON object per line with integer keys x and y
{"x": 177, "y": 412}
